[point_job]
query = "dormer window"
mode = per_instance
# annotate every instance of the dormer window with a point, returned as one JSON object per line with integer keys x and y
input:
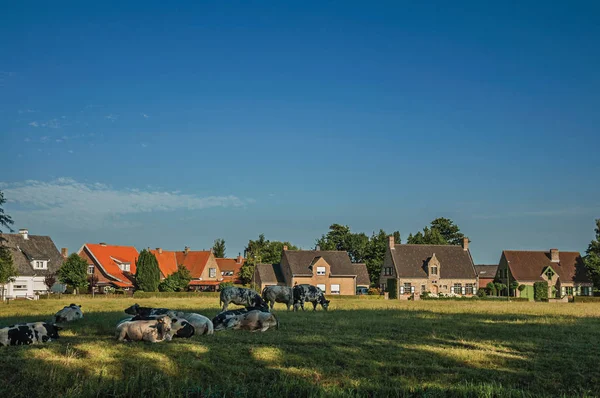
{"x": 125, "y": 267}
{"x": 320, "y": 270}
{"x": 39, "y": 264}
{"x": 434, "y": 270}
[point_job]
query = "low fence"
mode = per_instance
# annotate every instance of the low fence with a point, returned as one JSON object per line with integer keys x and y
{"x": 586, "y": 299}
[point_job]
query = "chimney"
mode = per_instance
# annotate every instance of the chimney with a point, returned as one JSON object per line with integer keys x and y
{"x": 25, "y": 233}
{"x": 318, "y": 248}
{"x": 64, "y": 252}
{"x": 186, "y": 250}
{"x": 391, "y": 241}
{"x": 102, "y": 244}
{"x": 554, "y": 257}
{"x": 240, "y": 259}
{"x": 465, "y": 243}
{"x": 285, "y": 247}
{"x": 159, "y": 250}
{"x": 211, "y": 249}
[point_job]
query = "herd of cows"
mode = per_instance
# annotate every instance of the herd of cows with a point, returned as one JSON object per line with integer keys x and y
{"x": 164, "y": 324}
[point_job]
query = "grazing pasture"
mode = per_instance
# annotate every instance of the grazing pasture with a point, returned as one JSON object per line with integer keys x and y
{"x": 358, "y": 348}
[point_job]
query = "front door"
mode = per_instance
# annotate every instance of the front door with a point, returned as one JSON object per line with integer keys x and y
{"x": 434, "y": 289}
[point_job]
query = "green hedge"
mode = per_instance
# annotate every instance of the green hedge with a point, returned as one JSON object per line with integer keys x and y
{"x": 586, "y": 299}
{"x": 392, "y": 288}
{"x": 475, "y": 298}
{"x": 540, "y": 291}
{"x": 141, "y": 294}
{"x": 351, "y": 297}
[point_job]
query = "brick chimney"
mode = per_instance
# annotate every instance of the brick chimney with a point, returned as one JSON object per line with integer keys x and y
{"x": 186, "y": 250}
{"x": 159, "y": 250}
{"x": 24, "y": 233}
{"x": 391, "y": 242}
{"x": 465, "y": 243}
{"x": 240, "y": 259}
{"x": 285, "y": 247}
{"x": 102, "y": 244}
{"x": 64, "y": 252}
{"x": 554, "y": 257}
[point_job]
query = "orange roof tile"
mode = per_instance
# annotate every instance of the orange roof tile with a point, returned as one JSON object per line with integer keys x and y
{"x": 230, "y": 264}
{"x": 167, "y": 262}
{"x": 194, "y": 261}
{"x": 105, "y": 256}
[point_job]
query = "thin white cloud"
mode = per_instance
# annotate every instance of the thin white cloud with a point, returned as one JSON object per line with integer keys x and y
{"x": 67, "y": 201}
{"x": 144, "y": 115}
{"x": 34, "y": 124}
{"x": 144, "y": 145}
{"x": 70, "y": 151}
{"x": 111, "y": 117}
{"x": 53, "y": 124}
{"x": 21, "y": 111}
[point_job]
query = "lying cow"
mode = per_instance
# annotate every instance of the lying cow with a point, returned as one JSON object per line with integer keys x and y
{"x": 68, "y": 314}
{"x": 180, "y": 328}
{"x": 253, "y": 321}
{"x": 201, "y": 324}
{"x": 220, "y": 321}
{"x": 310, "y": 293}
{"x": 154, "y": 330}
{"x": 145, "y": 311}
{"x": 241, "y": 296}
{"x": 28, "y": 333}
{"x": 278, "y": 294}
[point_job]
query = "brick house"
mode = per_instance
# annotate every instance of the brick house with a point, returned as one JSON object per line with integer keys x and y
{"x": 486, "y": 274}
{"x": 110, "y": 266}
{"x": 34, "y": 257}
{"x": 331, "y": 271}
{"x": 230, "y": 268}
{"x": 565, "y": 272}
{"x": 429, "y": 268}
{"x": 204, "y": 268}
{"x": 167, "y": 261}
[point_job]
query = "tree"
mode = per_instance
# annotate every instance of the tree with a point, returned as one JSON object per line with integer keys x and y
{"x": 261, "y": 251}
{"x": 147, "y": 273}
{"x": 177, "y": 281}
{"x": 592, "y": 257}
{"x": 8, "y": 271}
{"x": 514, "y": 285}
{"x": 449, "y": 231}
{"x": 219, "y": 248}
{"x": 49, "y": 281}
{"x": 491, "y": 288}
{"x": 73, "y": 272}
{"x": 429, "y": 236}
{"x": 5, "y": 219}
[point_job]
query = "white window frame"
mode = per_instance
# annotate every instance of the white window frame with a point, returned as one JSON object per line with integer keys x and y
{"x": 321, "y": 270}
{"x": 90, "y": 268}
{"x": 20, "y": 286}
{"x": 212, "y": 272}
{"x": 323, "y": 287}
{"x": 333, "y": 290}
{"x": 39, "y": 264}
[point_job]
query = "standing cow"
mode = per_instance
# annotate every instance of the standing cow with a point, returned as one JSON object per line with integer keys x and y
{"x": 28, "y": 333}
{"x": 278, "y": 294}
{"x": 310, "y": 293}
{"x": 241, "y": 296}
{"x": 68, "y": 314}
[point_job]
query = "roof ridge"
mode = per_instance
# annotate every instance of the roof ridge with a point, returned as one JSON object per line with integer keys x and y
{"x": 542, "y": 251}
{"x": 418, "y": 244}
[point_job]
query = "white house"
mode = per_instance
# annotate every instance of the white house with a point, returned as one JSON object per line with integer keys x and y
{"x": 34, "y": 257}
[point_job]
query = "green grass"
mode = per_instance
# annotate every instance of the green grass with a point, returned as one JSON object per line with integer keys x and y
{"x": 359, "y": 348}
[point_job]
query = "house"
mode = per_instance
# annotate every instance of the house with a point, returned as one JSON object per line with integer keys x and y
{"x": 362, "y": 275}
{"x": 565, "y": 272}
{"x": 203, "y": 266}
{"x": 429, "y": 268}
{"x": 167, "y": 261}
{"x": 331, "y": 271}
{"x": 486, "y": 274}
{"x": 34, "y": 257}
{"x": 230, "y": 268}
{"x": 110, "y": 266}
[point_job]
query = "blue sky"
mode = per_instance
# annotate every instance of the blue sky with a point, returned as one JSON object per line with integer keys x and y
{"x": 170, "y": 125}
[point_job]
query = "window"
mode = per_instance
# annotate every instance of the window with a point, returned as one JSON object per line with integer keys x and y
{"x": 423, "y": 288}
{"x": 457, "y": 288}
{"x": 387, "y": 271}
{"x": 212, "y": 272}
{"x": 125, "y": 267}
{"x": 322, "y": 287}
{"x": 433, "y": 270}
{"x": 569, "y": 290}
{"x": 335, "y": 289}
{"x": 469, "y": 288}
{"x": 320, "y": 270}
{"x": 90, "y": 269}
{"x": 19, "y": 287}
{"x": 40, "y": 264}
{"x": 549, "y": 274}
{"x": 407, "y": 288}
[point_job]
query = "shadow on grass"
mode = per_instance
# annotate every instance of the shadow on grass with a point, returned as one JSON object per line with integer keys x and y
{"x": 336, "y": 353}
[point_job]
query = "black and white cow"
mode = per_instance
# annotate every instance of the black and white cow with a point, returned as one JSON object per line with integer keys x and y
{"x": 241, "y": 296}
{"x": 278, "y": 294}
{"x": 220, "y": 321}
{"x": 145, "y": 311}
{"x": 202, "y": 324}
{"x": 310, "y": 293}
{"x": 68, "y": 314}
{"x": 253, "y": 321}
{"x": 28, "y": 333}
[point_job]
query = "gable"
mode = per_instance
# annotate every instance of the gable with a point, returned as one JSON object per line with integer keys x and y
{"x": 108, "y": 258}
{"x": 411, "y": 261}
{"x": 36, "y": 247}
{"x": 530, "y": 265}
{"x": 299, "y": 262}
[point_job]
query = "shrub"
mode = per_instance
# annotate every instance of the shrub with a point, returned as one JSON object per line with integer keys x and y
{"x": 223, "y": 285}
{"x": 392, "y": 288}
{"x": 540, "y": 291}
{"x": 147, "y": 273}
{"x": 177, "y": 281}
{"x": 586, "y": 299}
{"x": 374, "y": 291}
{"x": 481, "y": 293}
{"x": 491, "y": 287}
{"x": 522, "y": 287}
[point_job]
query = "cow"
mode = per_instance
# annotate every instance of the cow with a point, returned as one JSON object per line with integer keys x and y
{"x": 68, "y": 314}
{"x": 241, "y": 296}
{"x": 180, "y": 328}
{"x": 28, "y": 333}
{"x": 145, "y": 311}
{"x": 220, "y": 321}
{"x": 154, "y": 331}
{"x": 201, "y": 324}
{"x": 310, "y": 293}
{"x": 253, "y": 321}
{"x": 278, "y": 294}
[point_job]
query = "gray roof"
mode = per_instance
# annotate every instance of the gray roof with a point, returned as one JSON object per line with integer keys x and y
{"x": 486, "y": 271}
{"x": 362, "y": 275}
{"x": 270, "y": 273}
{"x": 411, "y": 261}
{"x": 34, "y": 248}
{"x": 300, "y": 260}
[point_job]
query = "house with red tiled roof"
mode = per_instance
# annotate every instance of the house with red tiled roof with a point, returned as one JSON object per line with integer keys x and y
{"x": 167, "y": 261}
{"x": 203, "y": 266}
{"x": 111, "y": 266}
{"x": 230, "y": 268}
{"x": 565, "y": 272}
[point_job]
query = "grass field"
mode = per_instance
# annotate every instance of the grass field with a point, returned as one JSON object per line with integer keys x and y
{"x": 358, "y": 348}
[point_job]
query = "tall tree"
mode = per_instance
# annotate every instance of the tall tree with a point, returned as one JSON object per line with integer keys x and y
{"x": 429, "y": 236}
{"x": 5, "y": 219}
{"x": 592, "y": 257}
{"x": 8, "y": 271}
{"x": 49, "y": 281}
{"x": 73, "y": 272}
{"x": 147, "y": 273}
{"x": 219, "y": 248}
{"x": 449, "y": 231}
{"x": 261, "y": 251}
